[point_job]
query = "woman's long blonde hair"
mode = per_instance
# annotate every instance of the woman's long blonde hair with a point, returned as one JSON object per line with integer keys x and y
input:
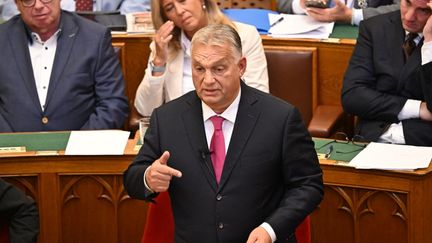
{"x": 214, "y": 16}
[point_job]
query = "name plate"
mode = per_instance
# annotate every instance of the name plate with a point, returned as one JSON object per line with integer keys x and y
{"x": 4, "y": 150}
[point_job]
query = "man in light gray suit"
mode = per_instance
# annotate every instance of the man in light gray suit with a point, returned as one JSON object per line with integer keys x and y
{"x": 58, "y": 71}
{"x": 348, "y": 11}
{"x": 124, "y": 6}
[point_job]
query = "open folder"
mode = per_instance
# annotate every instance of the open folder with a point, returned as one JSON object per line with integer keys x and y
{"x": 252, "y": 16}
{"x": 281, "y": 25}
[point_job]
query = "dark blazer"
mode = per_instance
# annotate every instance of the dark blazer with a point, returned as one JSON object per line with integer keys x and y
{"x": 378, "y": 82}
{"x": 271, "y": 173}
{"x": 20, "y": 213}
{"x": 86, "y": 89}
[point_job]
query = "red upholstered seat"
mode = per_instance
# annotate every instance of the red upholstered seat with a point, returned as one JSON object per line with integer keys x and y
{"x": 159, "y": 227}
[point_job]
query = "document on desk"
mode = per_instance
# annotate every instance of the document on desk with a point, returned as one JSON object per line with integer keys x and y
{"x": 392, "y": 157}
{"x": 298, "y": 26}
{"x": 100, "y": 142}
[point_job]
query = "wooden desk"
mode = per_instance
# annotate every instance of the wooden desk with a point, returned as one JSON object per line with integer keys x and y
{"x": 372, "y": 206}
{"x": 81, "y": 199}
{"x": 333, "y": 58}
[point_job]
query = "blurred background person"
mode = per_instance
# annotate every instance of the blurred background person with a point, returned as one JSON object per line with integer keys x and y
{"x": 58, "y": 71}
{"x": 383, "y": 84}
{"x": 19, "y": 213}
{"x": 124, "y": 6}
{"x": 169, "y": 75}
{"x": 348, "y": 11}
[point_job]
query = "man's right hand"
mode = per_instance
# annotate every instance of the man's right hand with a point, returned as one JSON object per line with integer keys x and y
{"x": 159, "y": 174}
{"x": 338, "y": 13}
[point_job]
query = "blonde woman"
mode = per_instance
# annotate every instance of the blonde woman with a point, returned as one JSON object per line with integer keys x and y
{"x": 168, "y": 74}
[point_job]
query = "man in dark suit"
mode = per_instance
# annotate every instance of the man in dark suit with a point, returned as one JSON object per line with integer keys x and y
{"x": 270, "y": 179}
{"x": 58, "y": 71}
{"x": 341, "y": 11}
{"x": 20, "y": 214}
{"x": 383, "y": 85}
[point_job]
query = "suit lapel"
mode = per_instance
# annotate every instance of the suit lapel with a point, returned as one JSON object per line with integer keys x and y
{"x": 65, "y": 41}
{"x": 246, "y": 119}
{"x": 18, "y": 40}
{"x": 194, "y": 126}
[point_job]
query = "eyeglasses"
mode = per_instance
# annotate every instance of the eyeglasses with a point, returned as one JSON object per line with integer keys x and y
{"x": 31, "y": 3}
{"x": 342, "y": 138}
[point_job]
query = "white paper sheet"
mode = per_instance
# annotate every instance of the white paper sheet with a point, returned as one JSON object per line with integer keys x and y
{"x": 392, "y": 157}
{"x": 299, "y": 26}
{"x": 100, "y": 142}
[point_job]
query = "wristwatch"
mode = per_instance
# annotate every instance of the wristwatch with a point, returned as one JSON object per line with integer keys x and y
{"x": 157, "y": 69}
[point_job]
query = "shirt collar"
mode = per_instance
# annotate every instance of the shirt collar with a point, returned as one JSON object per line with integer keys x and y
{"x": 417, "y": 39}
{"x": 35, "y": 37}
{"x": 229, "y": 114}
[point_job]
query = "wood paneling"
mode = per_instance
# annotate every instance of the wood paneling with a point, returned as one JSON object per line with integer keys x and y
{"x": 80, "y": 198}
{"x": 372, "y": 206}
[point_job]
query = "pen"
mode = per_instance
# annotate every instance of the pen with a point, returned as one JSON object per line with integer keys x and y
{"x": 329, "y": 151}
{"x": 277, "y": 22}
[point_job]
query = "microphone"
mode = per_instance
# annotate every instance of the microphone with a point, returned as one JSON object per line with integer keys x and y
{"x": 204, "y": 153}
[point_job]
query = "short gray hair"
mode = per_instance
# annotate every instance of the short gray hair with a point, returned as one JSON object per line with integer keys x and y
{"x": 219, "y": 35}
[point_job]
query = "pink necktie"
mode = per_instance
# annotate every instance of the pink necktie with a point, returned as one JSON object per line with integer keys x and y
{"x": 84, "y": 5}
{"x": 217, "y": 146}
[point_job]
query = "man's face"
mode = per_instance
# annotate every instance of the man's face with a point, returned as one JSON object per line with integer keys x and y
{"x": 216, "y": 73}
{"x": 414, "y": 14}
{"x": 42, "y": 17}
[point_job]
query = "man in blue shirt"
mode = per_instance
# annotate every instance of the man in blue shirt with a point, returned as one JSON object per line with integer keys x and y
{"x": 9, "y": 8}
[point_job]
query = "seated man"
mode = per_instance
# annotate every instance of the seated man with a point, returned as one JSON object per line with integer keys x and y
{"x": 124, "y": 6}
{"x": 387, "y": 83}
{"x": 206, "y": 148}
{"x": 349, "y": 12}
{"x": 58, "y": 71}
{"x": 19, "y": 212}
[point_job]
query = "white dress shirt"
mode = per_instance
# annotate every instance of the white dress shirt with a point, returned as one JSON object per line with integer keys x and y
{"x": 42, "y": 58}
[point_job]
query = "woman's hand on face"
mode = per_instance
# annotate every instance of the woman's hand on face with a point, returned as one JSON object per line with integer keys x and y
{"x": 162, "y": 38}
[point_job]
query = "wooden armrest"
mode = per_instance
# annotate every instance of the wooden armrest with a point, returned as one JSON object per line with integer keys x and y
{"x": 324, "y": 120}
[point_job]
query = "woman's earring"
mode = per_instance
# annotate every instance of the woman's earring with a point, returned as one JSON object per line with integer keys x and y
{"x": 204, "y": 7}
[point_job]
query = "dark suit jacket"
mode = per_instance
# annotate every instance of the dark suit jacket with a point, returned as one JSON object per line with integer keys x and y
{"x": 378, "y": 82}
{"x": 271, "y": 173}
{"x": 86, "y": 89}
{"x": 20, "y": 213}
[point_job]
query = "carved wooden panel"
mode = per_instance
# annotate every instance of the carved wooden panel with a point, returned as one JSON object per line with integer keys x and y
{"x": 350, "y": 215}
{"x": 29, "y": 184}
{"x": 99, "y": 203}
